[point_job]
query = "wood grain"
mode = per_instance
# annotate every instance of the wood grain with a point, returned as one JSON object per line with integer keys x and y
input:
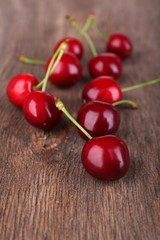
{"x": 45, "y": 193}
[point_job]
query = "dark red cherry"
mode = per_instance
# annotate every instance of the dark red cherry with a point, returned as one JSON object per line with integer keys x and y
{"x": 105, "y": 64}
{"x": 68, "y": 71}
{"x": 74, "y": 46}
{"x": 103, "y": 89}
{"x": 106, "y": 157}
{"x": 40, "y": 110}
{"x": 98, "y": 119}
{"x": 19, "y": 87}
{"x": 119, "y": 44}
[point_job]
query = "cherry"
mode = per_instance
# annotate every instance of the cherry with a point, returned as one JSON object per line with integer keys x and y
{"x": 106, "y": 157}
{"x": 74, "y": 46}
{"x": 103, "y": 89}
{"x": 19, "y": 87}
{"x": 98, "y": 119}
{"x": 119, "y": 44}
{"x": 40, "y": 110}
{"x": 68, "y": 71}
{"x": 105, "y": 64}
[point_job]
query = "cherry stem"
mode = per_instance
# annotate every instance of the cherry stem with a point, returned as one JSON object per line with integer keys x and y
{"x": 31, "y": 61}
{"x": 87, "y": 24}
{"x": 83, "y": 33}
{"x": 50, "y": 69}
{"x": 44, "y": 81}
{"x": 60, "y": 106}
{"x": 131, "y": 103}
{"x": 141, "y": 85}
{"x": 97, "y": 32}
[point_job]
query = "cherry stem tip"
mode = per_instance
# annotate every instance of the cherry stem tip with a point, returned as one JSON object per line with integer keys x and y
{"x": 31, "y": 61}
{"x": 133, "y": 105}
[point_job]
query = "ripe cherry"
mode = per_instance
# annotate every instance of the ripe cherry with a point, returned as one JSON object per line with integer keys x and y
{"x": 40, "y": 110}
{"x": 98, "y": 119}
{"x": 68, "y": 71}
{"x": 106, "y": 157}
{"x": 119, "y": 44}
{"x": 103, "y": 89}
{"x": 19, "y": 87}
{"x": 105, "y": 64}
{"x": 74, "y": 46}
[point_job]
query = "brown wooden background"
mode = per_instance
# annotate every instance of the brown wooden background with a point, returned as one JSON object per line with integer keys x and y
{"x": 45, "y": 193}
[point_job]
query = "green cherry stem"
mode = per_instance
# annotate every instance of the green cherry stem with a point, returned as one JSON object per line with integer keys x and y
{"x": 50, "y": 69}
{"x": 43, "y": 83}
{"x": 60, "y": 106}
{"x": 86, "y": 25}
{"x": 48, "y": 73}
{"x": 131, "y": 103}
{"x": 98, "y": 33}
{"x": 31, "y": 61}
{"x": 141, "y": 85}
{"x": 89, "y": 40}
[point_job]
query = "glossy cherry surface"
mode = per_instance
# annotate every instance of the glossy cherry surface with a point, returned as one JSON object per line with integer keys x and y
{"x": 19, "y": 87}
{"x": 40, "y": 110}
{"x": 68, "y": 71}
{"x": 106, "y": 64}
{"x": 119, "y": 44}
{"x": 106, "y": 157}
{"x": 103, "y": 89}
{"x": 74, "y": 46}
{"x": 98, "y": 119}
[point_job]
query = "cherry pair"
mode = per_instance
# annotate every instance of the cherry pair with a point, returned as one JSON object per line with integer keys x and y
{"x": 105, "y": 157}
{"x": 39, "y": 107}
{"x": 101, "y": 64}
{"x": 117, "y": 43}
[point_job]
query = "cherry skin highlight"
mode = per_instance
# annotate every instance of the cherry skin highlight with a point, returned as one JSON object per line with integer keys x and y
{"x": 105, "y": 64}
{"x": 74, "y": 46}
{"x": 19, "y": 87}
{"x": 98, "y": 119}
{"x": 103, "y": 89}
{"x": 106, "y": 158}
{"x": 68, "y": 71}
{"x": 39, "y": 110}
{"x": 119, "y": 44}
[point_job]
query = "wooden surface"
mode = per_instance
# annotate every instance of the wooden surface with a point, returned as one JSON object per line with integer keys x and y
{"x": 45, "y": 193}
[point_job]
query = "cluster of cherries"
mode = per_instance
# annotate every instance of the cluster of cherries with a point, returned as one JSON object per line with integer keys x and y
{"x": 105, "y": 156}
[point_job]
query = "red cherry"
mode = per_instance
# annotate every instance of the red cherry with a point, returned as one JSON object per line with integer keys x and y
{"x": 119, "y": 44}
{"x": 68, "y": 71}
{"x": 98, "y": 119}
{"x": 19, "y": 87}
{"x": 105, "y": 64}
{"x": 74, "y": 46}
{"x": 103, "y": 89}
{"x": 40, "y": 110}
{"x": 106, "y": 158}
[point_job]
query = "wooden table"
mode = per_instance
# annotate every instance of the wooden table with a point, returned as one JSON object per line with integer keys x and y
{"x": 45, "y": 193}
